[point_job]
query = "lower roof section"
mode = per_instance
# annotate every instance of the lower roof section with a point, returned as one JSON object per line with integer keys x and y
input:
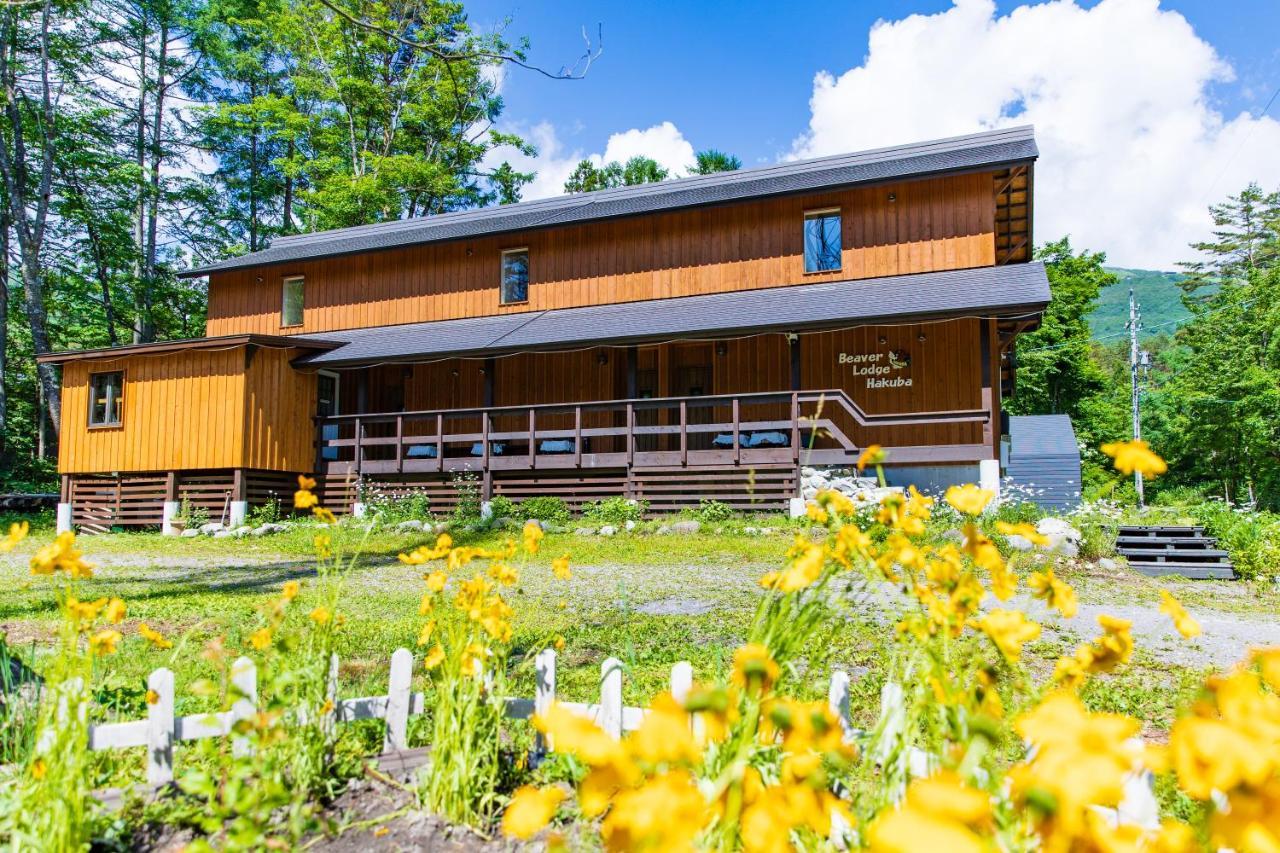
{"x": 1018, "y": 290}
{"x": 187, "y": 344}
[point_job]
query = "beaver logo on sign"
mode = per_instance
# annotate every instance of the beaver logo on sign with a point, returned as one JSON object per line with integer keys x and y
{"x": 873, "y": 366}
{"x": 899, "y": 358}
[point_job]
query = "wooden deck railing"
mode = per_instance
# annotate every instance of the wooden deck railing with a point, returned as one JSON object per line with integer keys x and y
{"x": 730, "y": 429}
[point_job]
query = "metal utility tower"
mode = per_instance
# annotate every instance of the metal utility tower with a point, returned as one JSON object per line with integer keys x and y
{"x": 1135, "y": 323}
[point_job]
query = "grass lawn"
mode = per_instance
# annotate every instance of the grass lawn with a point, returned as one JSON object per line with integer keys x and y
{"x": 648, "y": 600}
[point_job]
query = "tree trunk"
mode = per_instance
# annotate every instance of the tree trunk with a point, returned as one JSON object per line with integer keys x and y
{"x": 140, "y": 159}
{"x": 4, "y": 327}
{"x": 147, "y": 321}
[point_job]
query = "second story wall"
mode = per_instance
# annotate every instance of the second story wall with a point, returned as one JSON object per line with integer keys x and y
{"x": 889, "y": 229}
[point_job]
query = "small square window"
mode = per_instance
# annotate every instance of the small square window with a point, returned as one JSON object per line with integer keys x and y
{"x": 291, "y": 302}
{"x": 515, "y": 276}
{"x": 106, "y": 398}
{"x": 822, "y": 240}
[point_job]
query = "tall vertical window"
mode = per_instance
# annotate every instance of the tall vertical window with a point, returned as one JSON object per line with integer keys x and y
{"x": 106, "y": 398}
{"x": 822, "y": 240}
{"x": 291, "y": 302}
{"x": 515, "y": 276}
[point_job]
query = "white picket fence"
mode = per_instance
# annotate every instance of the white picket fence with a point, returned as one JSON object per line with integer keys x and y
{"x": 161, "y": 730}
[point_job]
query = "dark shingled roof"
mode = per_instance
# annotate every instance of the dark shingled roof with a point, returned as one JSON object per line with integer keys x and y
{"x": 1015, "y": 290}
{"x": 960, "y": 153}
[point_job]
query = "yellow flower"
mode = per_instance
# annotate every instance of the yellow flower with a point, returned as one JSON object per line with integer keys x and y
{"x": 38, "y": 769}
{"x": 559, "y": 643}
{"x": 305, "y": 499}
{"x": 436, "y": 581}
{"x": 61, "y": 556}
{"x": 1131, "y": 456}
{"x": 1186, "y": 624}
{"x": 418, "y": 556}
{"x": 1054, "y": 592}
{"x": 320, "y": 615}
{"x": 560, "y": 568}
{"x": 17, "y": 532}
{"x": 323, "y": 515}
{"x": 940, "y": 813}
{"x": 260, "y": 639}
{"x": 115, "y": 611}
{"x": 804, "y": 570}
{"x": 816, "y": 513}
{"x": 323, "y": 545}
{"x": 306, "y": 483}
{"x": 665, "y": 813}
{"x": 578, "y": 736}
{"x": 156, "y": 639}
{"x": 434, "y": 657}
{"x": 532, "y": 536}
{"x": 873, "y": 455}
{"x": 152, "y": 697}
{"x": 530, "y": 810}
{"x": 290, "y": 590}
{"x": 473, "y": 659}
{"x": 665, "y": 736}
{"x": 754, "y": 667}
{"x": 85, "y": 611}
{"x": 504, "y": 574}
{"x": 1023, "y": 529}
{"x": 104, "y": 642}
{"x": 1009, "y": 630}
{"x": 968, "y": 498}
{"x": 424, "y": 635}
{"x": 836, "y": 502}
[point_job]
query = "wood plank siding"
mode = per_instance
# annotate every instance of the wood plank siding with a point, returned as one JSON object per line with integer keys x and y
{"x": 198, "y": 409}
{"x": 905, "y": 227}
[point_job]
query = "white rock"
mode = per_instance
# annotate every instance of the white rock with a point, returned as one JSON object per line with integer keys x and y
{"x": 1019, "y": 543}
{"x": 190, "y": 533}
{"x": 264, "y": 530}
{"x": 1107, "y": 563}
{"x": 241, "y": 532}
{"x": 608, "y": 530}
{"x": 221, "y": 534}
{"x": 663, "y": 530}
{"x": 1057, "y": 527}
{"x": 210, "y": 528}
{"x": 630, "y": 525}
{"x": 411, "y": 524}
{"x": 584, "y": 531}
{"x": 441, "y": 527}
{"x": 686, "y": 527}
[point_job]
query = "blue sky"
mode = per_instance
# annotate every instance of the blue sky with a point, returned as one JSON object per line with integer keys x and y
{"x": 737, "y": 76}
{"x": 1102, "y": 79}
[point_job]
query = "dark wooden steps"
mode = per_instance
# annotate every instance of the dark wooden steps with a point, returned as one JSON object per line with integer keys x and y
{"x": 1173, "y": 550}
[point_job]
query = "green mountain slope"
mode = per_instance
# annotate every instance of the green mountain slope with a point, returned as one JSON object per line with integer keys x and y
{"x": 1159, "y": 298}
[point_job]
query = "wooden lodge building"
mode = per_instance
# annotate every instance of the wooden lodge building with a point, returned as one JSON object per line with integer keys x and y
{"x": 705, "y": 337}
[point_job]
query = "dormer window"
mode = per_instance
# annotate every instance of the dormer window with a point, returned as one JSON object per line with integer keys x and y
{"x": 822, "y": 240}
{"x": 515, "y": 276}
{"x": 291, "y": 301}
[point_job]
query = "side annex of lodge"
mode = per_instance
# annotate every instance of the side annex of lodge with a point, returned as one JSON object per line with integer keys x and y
{"x": 702, "y": 338}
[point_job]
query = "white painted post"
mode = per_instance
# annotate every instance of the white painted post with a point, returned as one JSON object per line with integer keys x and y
{"x": 64, "y": 517}
{"x": 358, "y": 509}
{"x": 329, "y": 720}
{"x": 160, "y": 728}
{"x": 544, "y": 694}
{"x": 239, "y": 511}
{"x": 989, "y": 475}
{"x": 398, "y": 696}
{"x": 611, "y": 697}
{"x": 168, "y": 512}
{"x": 838, "y": 700}
{"x": 681, "y": 685}
{"x": 244, "y": 680}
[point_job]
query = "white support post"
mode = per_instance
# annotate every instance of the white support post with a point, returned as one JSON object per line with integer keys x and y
{"x": 329, "y": 720}
{"x": 681, "y": 685}
{"x": 611, "y": 697}
{"x": 64, "y": 517}
{"x": 160, "y": 728}
{"x": 544, "y": 694}
{"x": 244, "y": 681}
{"x": 838, "y": 701}
{"x": 989, "y": 475}
{"x": 358, "y": 509}
{"x": 239, "y": 512}
{"x": 168, "y": 512}
{"x": 398, "y": 696}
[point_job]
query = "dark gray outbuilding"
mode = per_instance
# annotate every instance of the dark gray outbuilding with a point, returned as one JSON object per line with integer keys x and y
{"x": 1044, "y": 460}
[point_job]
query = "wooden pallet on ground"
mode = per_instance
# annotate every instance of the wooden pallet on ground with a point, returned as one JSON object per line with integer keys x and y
{"x": 1173, "y": 550}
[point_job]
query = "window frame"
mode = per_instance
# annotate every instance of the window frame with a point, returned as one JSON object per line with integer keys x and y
{"x": 285, "y": 281}
{"x": 822, "y": 213}
{"x": 119, "y": 421}
{"x": 502, "y": 276}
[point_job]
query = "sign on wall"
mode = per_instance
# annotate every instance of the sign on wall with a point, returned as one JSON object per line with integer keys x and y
{"x": 881, "y": 369}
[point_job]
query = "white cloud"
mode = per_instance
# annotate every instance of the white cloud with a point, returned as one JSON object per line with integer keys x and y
{"x": 1132, "y": 150}
{"x": 555, "y": 161}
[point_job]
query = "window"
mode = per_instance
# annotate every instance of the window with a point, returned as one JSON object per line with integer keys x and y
{"x": 515, "y": 276}
{"x": 291, "y": 303}
{"x": 326, "y": 394}
{"x": 822, "y": 240}
{"x": 106, "y": 398}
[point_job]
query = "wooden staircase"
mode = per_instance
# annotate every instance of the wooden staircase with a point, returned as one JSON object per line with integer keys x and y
{"x": 1185, "y": 551}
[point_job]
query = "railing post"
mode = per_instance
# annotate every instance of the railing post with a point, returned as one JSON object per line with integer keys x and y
{"x": 795, "y": 427}
{"x": 577, "y": 436}
{"x": 398, "y": 696}
{"x": 533, "y": 444}
{"x": 611, "y": 697}
{"x": 244, "y": 679}
{"x": 484, "y": 439}
{"x": 160, "y": 728}
{"x": 631, "y": 434}
{"x": 440, "y": 440}
{"x": 399, "y": 443}
{"x": 737, "y": 446}
{"x": 359, "y": 437}
{"x": 684, "y": 433}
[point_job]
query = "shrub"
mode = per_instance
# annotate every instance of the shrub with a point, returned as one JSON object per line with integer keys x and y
{"x": 713, "y": 512}
{"x": 267, "y": 513}
{"x": 501, "y": 506}
{"x": 545, "y": 508}
{"x": 1252, "y": 538}
{"x": 467, "y": 485}
{"x": 394, "y": 507}
{"x": 616, "y": 510}
{"x": 193, "y": 515}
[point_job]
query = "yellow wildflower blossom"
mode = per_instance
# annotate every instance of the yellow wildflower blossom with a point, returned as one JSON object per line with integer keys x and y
{"x": 260, "y": 639}
{"x": 1009, "y": 630}
{"x": 816, "y": 513}
{"x": 434, "y": 658}
{"x": 424, "y": 635}
{"x": 152, "y": 697}
{"x": 872, "y": 455}
{"x": 836, "y": 502}
{"x": 969, "y": 499}
{"x": 1186, "y": 624}
{"x": 665, "y": 813}
{"x": 939, "y": 813}
{"x": 61, "y": 556}
{"x": 665, "y": 736}
{"x": 320, "y": 615}
{"x": 155, "y": 638}
{"x": 290, "y": 590}
{"x": 425, "y": 555}
{"x": 436, "y": 581}
{"x": 323, "y": 545}
{"x": 1054, "y": 592}
{"x": 104, "y": 642}
{"x": 754, "y": 667}
{"x": 530, "y": 810}
{"x": 85, "y": 611}
{"x": 1131, "y": 456}
{"x": 1025, "y": 530}
{"x": 504, "y": 574}
{"x": 303, "y": 498}
{"x": 323, "y": 515}
{"x": 473, "y": 659}
{"x": 532, "y": 536}
{"x": 560, "y": 567}
{"x": 17, "y": 532}
{"x": 804, "y": 570}
{"x": 115, "y": 611}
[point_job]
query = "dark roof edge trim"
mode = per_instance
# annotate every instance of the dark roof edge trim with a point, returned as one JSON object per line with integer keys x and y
{"x": 161, "y": 347}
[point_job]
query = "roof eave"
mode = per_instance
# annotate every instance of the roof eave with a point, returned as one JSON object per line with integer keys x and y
{"x": 216, "y": 342}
